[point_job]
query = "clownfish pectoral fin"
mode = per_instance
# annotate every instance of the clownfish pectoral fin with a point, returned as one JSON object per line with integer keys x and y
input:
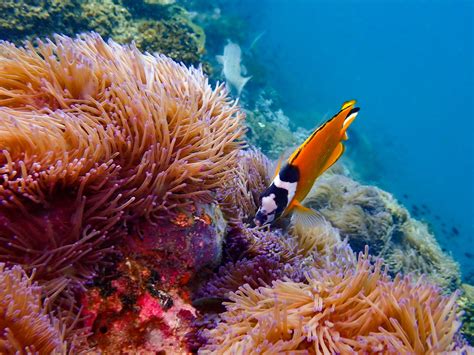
{"x": 303, "y": 216}
{"x": 345, "y": 136}
{"x": 336, "y": 154}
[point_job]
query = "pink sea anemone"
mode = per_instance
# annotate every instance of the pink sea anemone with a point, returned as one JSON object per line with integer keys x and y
{"x": 334, "y": 311}
{"x": 94, "y": 137}
{"x": 25, "y": 326}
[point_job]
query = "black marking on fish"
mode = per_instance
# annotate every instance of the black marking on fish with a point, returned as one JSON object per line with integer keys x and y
{"x": 281, "y": 199}
{"x": 354, "y": 110}
{"x": 289, "y": 173}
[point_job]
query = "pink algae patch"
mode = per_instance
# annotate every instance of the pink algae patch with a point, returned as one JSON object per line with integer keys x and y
{"x": 149, "y": 308}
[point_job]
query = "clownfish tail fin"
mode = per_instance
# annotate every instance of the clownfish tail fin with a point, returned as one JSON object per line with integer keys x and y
{"x": 348, "y": 104}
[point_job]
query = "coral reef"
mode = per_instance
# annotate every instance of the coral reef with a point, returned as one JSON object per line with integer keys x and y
{"x": 153, "y": 25}
{"x": 177, "y": 38}
{"x": 466, "y": 302}
{"x": 269, "y": 128}
{"x": 142, "y": 304}
{"x": 22, "y": 19}
{"x": 25, "y": 325}
{"x": 367, "y": 215}
{"x": 121, "y": 139}
{"x": 108, "y": 18}
{"x": 338, "y": 312}
{"x": 125, "y": 188}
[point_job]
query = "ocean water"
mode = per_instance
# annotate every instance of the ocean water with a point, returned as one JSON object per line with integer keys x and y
{"x": 410, "y": 65}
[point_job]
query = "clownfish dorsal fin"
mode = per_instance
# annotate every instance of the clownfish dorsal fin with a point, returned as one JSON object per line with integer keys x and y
{"x": 335, "y": 155}
{"x": 303, "y": 216}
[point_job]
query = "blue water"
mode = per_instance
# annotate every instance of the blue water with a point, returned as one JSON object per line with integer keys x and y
{"x": 410, "y": 65}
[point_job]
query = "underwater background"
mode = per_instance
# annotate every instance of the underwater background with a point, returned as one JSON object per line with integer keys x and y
{"x": 129, "y": 182}
{"x": 410, "y": 65}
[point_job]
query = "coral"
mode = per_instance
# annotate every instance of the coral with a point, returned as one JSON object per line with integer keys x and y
{"x": 25, "y": 325}
{"x": 137, "y": 321}
{"x": 239, "y": 195}
{"x": 109, "y": 19}
{"x": 121, "y": 139}
{"x": 466, "y": 302}
{"x": 356, "y": 310}
{"x": 269, "y": 128}
{"x": 367, "y": 215}
{"x": 154, "y": 25}
{"x": 140, "y": 303}
{"x": 179, "y": 248}
{"x": 23, "y": 19}
{"x": 175, "y": 38}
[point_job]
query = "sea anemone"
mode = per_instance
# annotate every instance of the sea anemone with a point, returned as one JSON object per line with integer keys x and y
{"x": 96, "y": 136}
{"x": 367, "y": 215}
{"x": 25, "y": 325}
{"x": 260, "y": 241}
{"x": 240, "y": 196}
{"x": 334, "y": 311}
{"x": 320, "y": 238}
{"x": 256, "y": 272}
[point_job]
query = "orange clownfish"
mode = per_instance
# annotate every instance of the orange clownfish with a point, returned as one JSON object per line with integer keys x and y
{"x": 294, "y": 180}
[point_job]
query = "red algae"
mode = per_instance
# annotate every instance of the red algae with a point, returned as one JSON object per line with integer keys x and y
{"x": 143, "y": 304}
{"x": 149, "y": 308}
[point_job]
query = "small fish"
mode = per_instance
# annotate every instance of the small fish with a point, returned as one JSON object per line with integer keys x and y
{"x": 293, "y": 181}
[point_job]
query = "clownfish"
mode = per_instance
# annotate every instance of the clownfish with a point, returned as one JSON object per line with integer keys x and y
{"x": 293, "y": 181}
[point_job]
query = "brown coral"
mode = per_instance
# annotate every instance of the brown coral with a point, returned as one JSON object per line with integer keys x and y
{"x": 25, "y": 326}
{"x": 96, "y": 136}
{"x": 335, "y": 311}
